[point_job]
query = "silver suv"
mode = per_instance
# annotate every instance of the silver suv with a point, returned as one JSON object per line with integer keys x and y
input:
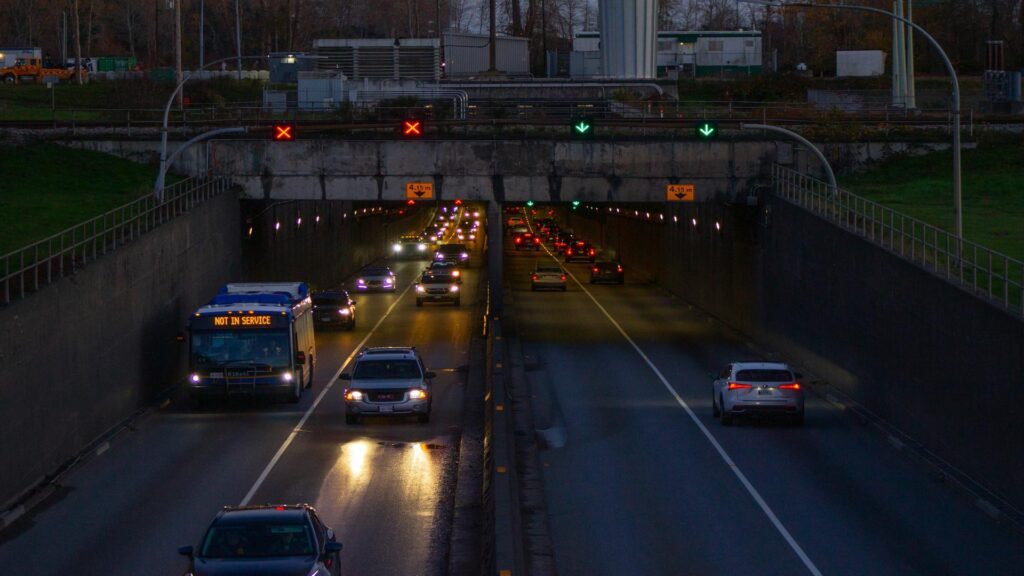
{"x": 757, "y": 388}
{"x": 390, "y": 381}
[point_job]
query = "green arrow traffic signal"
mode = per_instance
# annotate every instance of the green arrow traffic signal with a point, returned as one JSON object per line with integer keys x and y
{"x": 707, "y": 130}
{"x": 575, "y": 204}
{"x": 529, "y": 203}
{"x": 582, "y": 128}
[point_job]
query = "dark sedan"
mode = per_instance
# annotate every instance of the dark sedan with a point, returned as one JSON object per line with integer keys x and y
{"x": 334, "y": 308}
{"x": 607, "y": 272}
{"x": 265, "y": 541}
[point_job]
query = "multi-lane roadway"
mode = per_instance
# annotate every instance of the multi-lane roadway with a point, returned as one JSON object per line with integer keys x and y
{"x": 384, "y": 486}
{"x": 648, "y": 482}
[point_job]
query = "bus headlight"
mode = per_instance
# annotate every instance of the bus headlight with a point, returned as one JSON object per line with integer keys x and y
{"x": 397, "y": 247}
{"x": 287, "y": 376}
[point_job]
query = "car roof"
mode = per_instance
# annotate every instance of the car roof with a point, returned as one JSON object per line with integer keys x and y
{"x": 265, "y": 513}
{"x": 388, "y": 353}
{"x": 760, "y": 366}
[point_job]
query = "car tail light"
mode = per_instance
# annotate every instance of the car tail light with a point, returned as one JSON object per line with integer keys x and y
{"x": 568, "y": 252}
{"x": 562, "y": 277}
{"x": 533, "y": 277}
{"x": 618, "y": 268}
{"x": 793, "y": 386}
{"x": 596, "y": 270}
{"x": 591, "y": 252}
{"x": 738, "y": 386}
{"x": 536, "y": 240}
{"x": 518, "y": 240}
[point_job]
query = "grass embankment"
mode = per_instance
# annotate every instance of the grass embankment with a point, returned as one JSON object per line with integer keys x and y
{"x": 993, "y": 192}
{"x": 47, "y": 188}
{"x": 100, "y": 99}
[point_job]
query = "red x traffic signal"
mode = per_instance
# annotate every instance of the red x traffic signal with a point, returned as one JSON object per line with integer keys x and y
{"x": 412, "y": 128}
{"x": 284, "y": 132}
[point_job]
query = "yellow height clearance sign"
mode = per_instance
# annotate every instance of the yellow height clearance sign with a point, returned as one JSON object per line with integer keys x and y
{"x": 419, "y": 190}
{"x": 680, "y": 192}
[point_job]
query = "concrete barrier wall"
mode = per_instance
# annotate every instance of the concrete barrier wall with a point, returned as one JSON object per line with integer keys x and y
{"x": 87, "y": 352}
{"x": 924, "y": 355}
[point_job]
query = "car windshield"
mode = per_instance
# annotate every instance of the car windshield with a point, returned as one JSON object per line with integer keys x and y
{"x": 213, "y": 349}
{"x": 387, "y": 370}
{"x": 330, "y": 300}
{"x": 764, "y": 375}
{"x": 257, "y": 540}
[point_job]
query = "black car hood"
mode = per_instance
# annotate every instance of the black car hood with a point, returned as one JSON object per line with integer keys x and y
{"x": 290, "y": 566}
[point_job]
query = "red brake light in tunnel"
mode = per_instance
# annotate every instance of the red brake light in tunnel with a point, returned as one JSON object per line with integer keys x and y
{"x": 738, "y": 386}
{"x": 618, "y": 268}
{"x": 519, "y": 240}
{"x": 533, "y": 276}
{"x": 793, "y": 386}
{"x": 279, "y": 508}
{"x": 591, "y": 251}
{"x": 562, "y": 277}
{"x": 596, "y": 270}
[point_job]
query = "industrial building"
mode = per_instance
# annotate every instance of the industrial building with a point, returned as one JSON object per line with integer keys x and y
{"x": 380, "y": 58}
{"x": 469, "y": 55}
{"x": 681, "y": 53}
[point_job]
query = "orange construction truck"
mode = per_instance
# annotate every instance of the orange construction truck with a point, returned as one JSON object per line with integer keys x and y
{"x": 32, "y": 70}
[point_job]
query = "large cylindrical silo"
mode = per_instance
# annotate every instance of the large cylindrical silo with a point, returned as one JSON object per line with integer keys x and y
{"x": 629, "y": 38}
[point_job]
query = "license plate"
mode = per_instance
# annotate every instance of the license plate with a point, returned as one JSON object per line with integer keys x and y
{"x": 325, "y": 318}
{"x": 437, "y": 297}
{"x": 764, "y": 392}
{"x": 387, "y": 409}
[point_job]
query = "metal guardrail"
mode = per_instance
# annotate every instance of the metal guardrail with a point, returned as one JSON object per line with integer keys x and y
{"x": 988, "y": 274}
{"x": 27, "y": 269}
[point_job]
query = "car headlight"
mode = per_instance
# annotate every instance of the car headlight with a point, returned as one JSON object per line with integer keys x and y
{"x": 456, "y": 273}
{"x": 344, "y": 311}
{"x": 195, "y": 378}
{"x": 361, "y": 282}
{"x": 421, "y": 247}
{"x": 287, "y": 376}
{"x": 397, "y": 247}
{"x": 417, "y": 394}
{"x": 439, "y": 256}
{"x": 389, "y": 280}
{"x": 355, "y": 395}
{"x": 464, "y": 255}
{"x": 453, "y": 288}
{"x": 420, "y": 288}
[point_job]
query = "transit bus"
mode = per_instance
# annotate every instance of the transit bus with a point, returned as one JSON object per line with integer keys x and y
{"x": 253, "y": 339}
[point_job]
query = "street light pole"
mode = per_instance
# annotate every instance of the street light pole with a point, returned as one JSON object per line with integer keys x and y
{"x": 958, "y": 228}
{"x": 158, "y": 188}
{"x": 821, "y": 157}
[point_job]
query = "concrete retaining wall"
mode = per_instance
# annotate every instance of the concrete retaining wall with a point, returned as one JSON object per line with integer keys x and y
{"x": 924, "y": 355}
{"x": 504, "y": 170}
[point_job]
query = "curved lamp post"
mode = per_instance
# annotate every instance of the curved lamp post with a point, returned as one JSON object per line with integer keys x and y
{"x": 958, "y": 227}
{"x": 821, "y": 157}
{"x": 158, "y": 187}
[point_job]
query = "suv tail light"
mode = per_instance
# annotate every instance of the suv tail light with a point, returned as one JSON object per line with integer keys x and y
{"x": 618, "y": 268}
{"x": 533, "y": 276}
{"x": 568, "y": 251}
{"x": 793, "y": 386}
{"x": 562, "y": 277}
{"x": 591, "y": 251}
{"x": 595, "y": 270}
{"x": 519, "y": 240}
{"x": 738, "y": 386}
{"x": 536, "y": 240}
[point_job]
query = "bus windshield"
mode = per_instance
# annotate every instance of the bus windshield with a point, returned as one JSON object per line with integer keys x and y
{"x": 220, "y": 348}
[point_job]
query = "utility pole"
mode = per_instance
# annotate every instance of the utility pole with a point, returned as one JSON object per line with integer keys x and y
{"x": 911, "y": 96}
{"x": 544, "y": 34}
{"x": 238, "y": 38}
{"x": 202, "y": 26}
{"x": 492, "y": 46}
{"x": 78, "y": 49}
{"x": 177, "y": 49}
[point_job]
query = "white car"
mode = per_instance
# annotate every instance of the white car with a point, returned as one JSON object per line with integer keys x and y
{"x": 374, "y": 278}
{"x": 388, "y": 381}
{"x": 743, "y": 388}
{"x": 547, "y": 276}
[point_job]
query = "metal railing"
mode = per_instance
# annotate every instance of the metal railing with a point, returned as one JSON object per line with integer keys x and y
{"x": 988, "y": 274}
{"x": 27, "y": 269}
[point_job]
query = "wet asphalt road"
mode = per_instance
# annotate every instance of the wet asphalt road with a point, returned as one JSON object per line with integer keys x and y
{"x": 384, "y": 486}
{"x": 644, "y": 485}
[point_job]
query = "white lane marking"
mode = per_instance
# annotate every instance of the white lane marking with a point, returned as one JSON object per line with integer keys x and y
{"x": 298, "y": 427}
{"x": 707, "y": 433}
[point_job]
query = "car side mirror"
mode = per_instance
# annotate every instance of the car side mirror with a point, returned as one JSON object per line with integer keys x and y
{"x": 186, "y": 551}
{"x": 333, "y": 547}
{"x": 345, "y": 377}
{"x": 300, "y": 358}
{"x": 430, "y": 375}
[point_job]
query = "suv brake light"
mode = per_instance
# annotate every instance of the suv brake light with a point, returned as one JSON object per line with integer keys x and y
{"x": 793, "y": 386}
{"x": 738, "y": 386}
{"x": 591, "y": 251}
{"x": 596, "y": 270}
{"x": 562, "y": 277}
{"x": 533, "y": 276}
